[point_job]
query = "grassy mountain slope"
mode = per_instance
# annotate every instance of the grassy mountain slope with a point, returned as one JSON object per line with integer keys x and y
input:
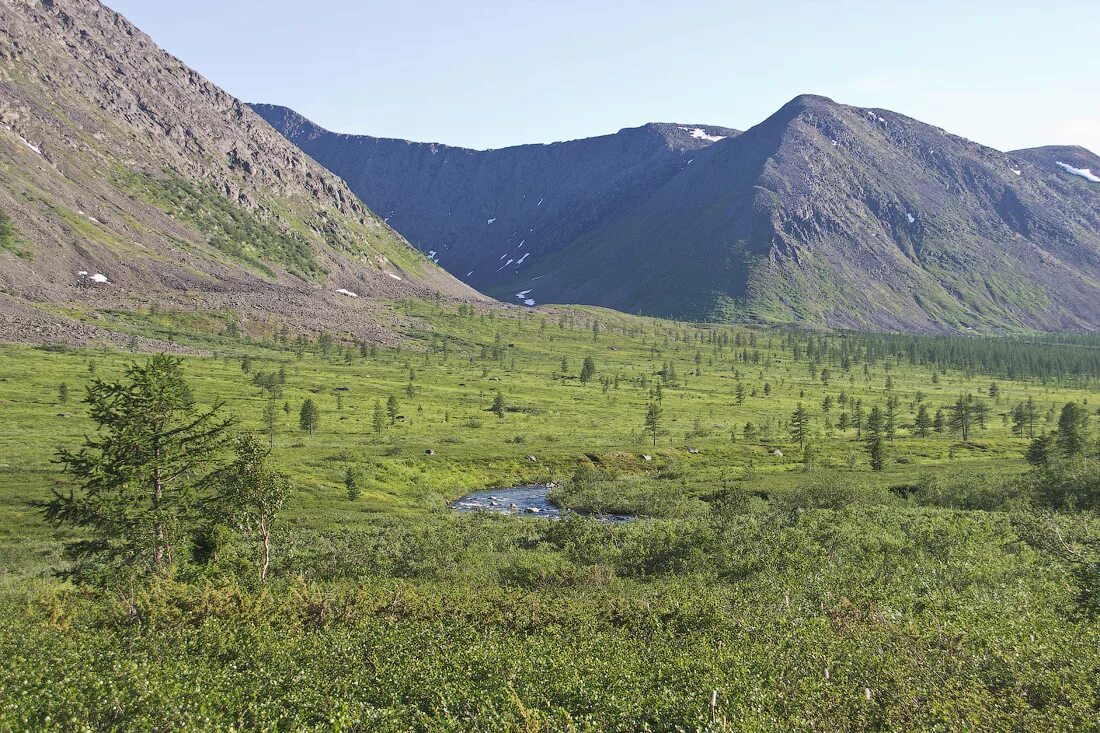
{"x": 117, "y": 159}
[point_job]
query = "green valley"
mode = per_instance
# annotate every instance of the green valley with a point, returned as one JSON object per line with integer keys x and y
{"x": 764, "y": 585}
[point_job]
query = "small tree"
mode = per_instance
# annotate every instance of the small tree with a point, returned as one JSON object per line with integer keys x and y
{"x": 392, "y": 409}
{"x": 137, "y": 478}
{"x": 377, "y": 419}
{"x": 309, "y": 417}
{"x": 1072, "y": 429}
{"x": 923, "y": 422}
{"x": 63, "y": 393}
{"x": 253, "y": 493}
{"x": 588, "y": 370}
{"x": 800, "y": 425}
{"x": 877, "y": 452}
{"x": 875, "y": 446}
{"x": 1041, "y": 451}
{"x": 890, "y": 417}
{"x": 938, "y": 423}
{"x": 270, "y": 422}
{"x": 498, "y": 405}
{"x": 653, "y": 420}
{"x": 351, "y": 484}
{"x": 1024, "y": 416}
{"x": 961, "y": 418}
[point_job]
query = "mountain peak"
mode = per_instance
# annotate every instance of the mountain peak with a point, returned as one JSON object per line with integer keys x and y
{"x": 809, "y": 101}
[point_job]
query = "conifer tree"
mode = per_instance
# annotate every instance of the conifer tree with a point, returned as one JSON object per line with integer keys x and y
{"x": 138, "y": 477}
{"x": 800, "y": 425}
{"x": 309, "y": 417}
{"x": 653, "y": 420}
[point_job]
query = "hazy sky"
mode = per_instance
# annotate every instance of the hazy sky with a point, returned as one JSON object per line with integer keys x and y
{"x": 491, "y": 73}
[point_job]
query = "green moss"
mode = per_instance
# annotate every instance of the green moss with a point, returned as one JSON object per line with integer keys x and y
{"x": 9, "y": 237}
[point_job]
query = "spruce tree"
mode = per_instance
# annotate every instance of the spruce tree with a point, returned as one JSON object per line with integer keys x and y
{"x": 309, "y": 417}
{"x": 1072, "y": 435}
{"x": 588, "y": 370}
{"x": 923, "y": 423}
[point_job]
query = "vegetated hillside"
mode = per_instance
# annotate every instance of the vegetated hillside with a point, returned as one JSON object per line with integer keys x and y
{"x": 823, "y": 214}
{"x": 116, "y": 159}
{"x": 490, "y": 216}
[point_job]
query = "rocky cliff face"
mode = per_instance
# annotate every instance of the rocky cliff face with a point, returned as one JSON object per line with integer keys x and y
{"x": 117, "y": 159}
{"x": 489, "y": 215}
{"x": 823, "y": 214}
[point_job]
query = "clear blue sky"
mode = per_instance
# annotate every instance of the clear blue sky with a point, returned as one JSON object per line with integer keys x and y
{"x": 491, "y": 73}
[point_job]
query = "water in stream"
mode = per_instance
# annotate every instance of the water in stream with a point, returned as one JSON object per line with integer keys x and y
{"x": 532, "y": 500}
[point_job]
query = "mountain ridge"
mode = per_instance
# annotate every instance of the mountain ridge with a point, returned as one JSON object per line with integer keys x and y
{"x": 823, "y": 213}
{"x": 473, "y": 211}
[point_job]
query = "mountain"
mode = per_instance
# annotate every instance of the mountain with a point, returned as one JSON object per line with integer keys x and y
{"x": 1063, "y": 159}
{"x": 479, "y": 212}
{"x": 120, "y": 164}
{"x": 821, "y": 214}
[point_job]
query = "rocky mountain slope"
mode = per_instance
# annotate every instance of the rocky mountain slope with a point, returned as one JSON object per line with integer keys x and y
{"x": 488, "y": 215}
{"x": 126, "y": 177}
{"x": 822, "y": 214}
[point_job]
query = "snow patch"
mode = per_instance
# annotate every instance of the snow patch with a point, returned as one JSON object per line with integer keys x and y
{"x": 1085, "y": 173}
{"x": 395, "y": 277}
{"x": 1017, "y": 171}
{"x": 521, "y": 259}
{"x": 348, "y": 293}
{"x": 528, "y": 301}
{"x": 99, "y": 277}
{"x": 700, "y": 134}
{"x": 540, "y": 202}
{"x": 490, "y": 221}
{"x": 523, "y": 293}
{"x": 910, "y": 217}
{"x": 25, "y": 141}
{"x": 471, "y": 272}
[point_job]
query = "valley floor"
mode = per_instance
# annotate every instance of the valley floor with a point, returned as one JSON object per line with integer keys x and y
{"x": 767, "y": 584}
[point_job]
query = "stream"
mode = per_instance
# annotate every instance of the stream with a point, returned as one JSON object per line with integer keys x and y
{"x": 531, "y": 500}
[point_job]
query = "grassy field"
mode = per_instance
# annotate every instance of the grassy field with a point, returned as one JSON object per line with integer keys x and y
{"x": 756, "y": 591}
